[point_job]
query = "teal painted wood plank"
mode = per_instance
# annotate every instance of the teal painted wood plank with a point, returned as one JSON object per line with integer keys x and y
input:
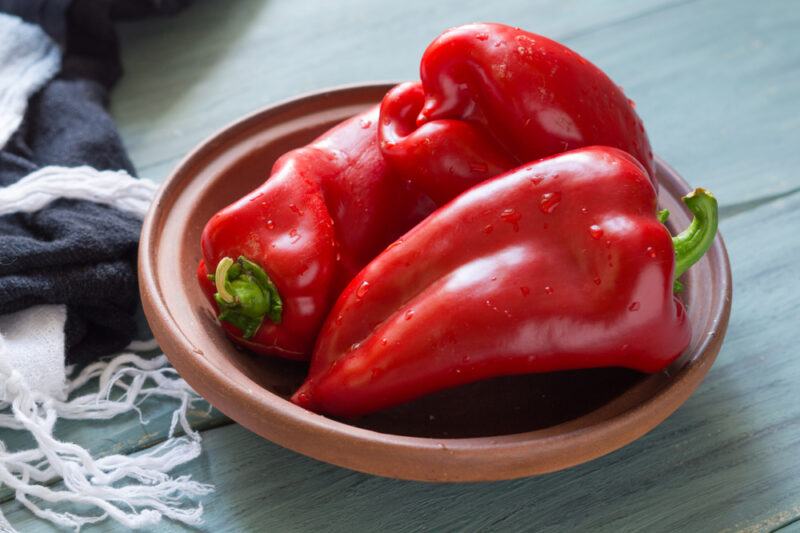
{"x": 715, "y": 81}
{"x": 726, "y": 460}
{"x": 717, "y": 84}
{"x": 190, "y": 75}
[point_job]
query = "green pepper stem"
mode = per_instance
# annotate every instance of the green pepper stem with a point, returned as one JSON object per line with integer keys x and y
{"x": 693, "y": 242}
{"x": 245, "y": 295}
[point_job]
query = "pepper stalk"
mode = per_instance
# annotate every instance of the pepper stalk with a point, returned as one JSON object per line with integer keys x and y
{"x": 245, "y": 295}
{"x": 693, "y": 242}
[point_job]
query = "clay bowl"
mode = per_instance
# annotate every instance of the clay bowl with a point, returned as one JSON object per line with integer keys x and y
{"x": 498, "y": 429}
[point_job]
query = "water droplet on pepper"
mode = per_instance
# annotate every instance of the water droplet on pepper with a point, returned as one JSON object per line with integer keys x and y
{"x": 362, "y": 289}
{"x": 512, "y": 216}
{"x": 549, "y": 202}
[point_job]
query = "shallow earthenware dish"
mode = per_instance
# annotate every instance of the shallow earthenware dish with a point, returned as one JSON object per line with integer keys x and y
{"x": 498, "y": 429}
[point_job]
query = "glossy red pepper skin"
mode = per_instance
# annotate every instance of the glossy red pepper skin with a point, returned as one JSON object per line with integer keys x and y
{"x": 493, "y": 97}
{"x": 326, "y": 210}
{"x": 559, "y": 264}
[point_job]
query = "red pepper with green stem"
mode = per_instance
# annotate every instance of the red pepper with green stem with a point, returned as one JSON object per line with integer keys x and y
{"x": 560, "y": 264}
{"x": 275, "y": 260}
{"x": 493, "y": 97}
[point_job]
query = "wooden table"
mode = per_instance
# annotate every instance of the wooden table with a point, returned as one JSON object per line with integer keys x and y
{"x": 718, "y": 85}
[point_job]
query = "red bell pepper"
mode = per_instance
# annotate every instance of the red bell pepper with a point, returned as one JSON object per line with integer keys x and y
{"x": 560, "y": 264}
{"x": 275, "y": 260}
{"x": 493, "y": 97}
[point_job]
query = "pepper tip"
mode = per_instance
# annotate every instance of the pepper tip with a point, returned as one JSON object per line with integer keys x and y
{"x": 302, "y": 397}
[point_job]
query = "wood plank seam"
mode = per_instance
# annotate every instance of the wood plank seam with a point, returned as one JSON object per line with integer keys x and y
{"x": 787, "y": 524}
{"x": 589, "y": 30}
{"x": 731, "y": 210}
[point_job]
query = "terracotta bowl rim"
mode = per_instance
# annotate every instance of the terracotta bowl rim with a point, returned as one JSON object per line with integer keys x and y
{"x": 608, "y": 435}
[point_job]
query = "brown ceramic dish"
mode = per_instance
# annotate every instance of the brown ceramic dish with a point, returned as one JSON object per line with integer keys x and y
{"x": 498, "y": 429}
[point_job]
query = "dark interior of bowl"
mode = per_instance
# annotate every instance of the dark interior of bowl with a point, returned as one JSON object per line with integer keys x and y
{"x": 500, "y": 406}
{"x": 495, "y": 407}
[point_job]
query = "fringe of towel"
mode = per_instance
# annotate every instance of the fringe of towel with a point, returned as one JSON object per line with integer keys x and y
{"x": 134, "y": 490}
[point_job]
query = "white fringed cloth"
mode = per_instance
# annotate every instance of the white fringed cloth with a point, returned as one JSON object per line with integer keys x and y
{"x": 135, "y": 490}
{"x": 59, "y": 481}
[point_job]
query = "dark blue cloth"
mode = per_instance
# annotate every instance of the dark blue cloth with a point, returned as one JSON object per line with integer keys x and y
{"x": 75, "y": 253}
